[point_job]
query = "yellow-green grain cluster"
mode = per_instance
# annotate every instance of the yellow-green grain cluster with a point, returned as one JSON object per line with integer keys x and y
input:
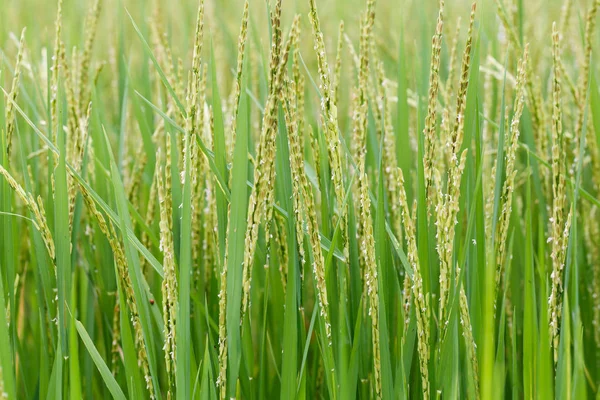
{"x": 559, "y": 225}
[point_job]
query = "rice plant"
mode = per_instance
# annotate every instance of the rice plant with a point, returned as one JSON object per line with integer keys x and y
{"x": 307, "y": 199}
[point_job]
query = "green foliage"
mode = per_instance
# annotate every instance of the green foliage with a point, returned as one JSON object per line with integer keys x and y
{"x": 291, "y": 214}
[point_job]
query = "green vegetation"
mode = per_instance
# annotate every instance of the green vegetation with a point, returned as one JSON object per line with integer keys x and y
{"x": 226, "y": 199}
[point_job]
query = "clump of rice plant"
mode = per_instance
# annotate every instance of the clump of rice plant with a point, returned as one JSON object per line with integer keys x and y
{"x": 337, "y": 200}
